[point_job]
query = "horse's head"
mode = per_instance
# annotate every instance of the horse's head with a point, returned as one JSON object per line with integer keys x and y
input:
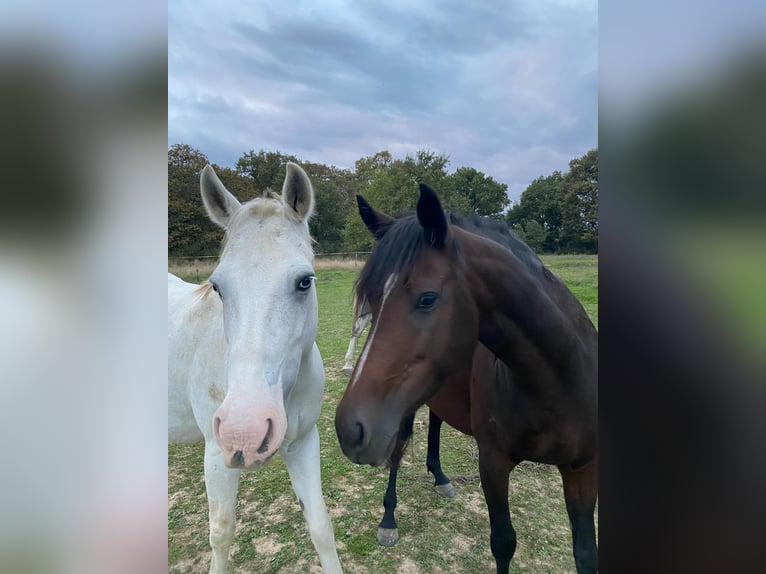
{"x": 265, "y": 281}
{"x": 424, "y": 326}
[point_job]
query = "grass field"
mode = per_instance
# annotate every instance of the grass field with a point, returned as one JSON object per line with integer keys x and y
{"x": 436, "y": 534}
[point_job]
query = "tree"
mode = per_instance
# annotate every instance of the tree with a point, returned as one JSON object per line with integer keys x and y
{"x": 367, "y": 167}
{"x": 242, "y": 187}
{"x": 389, "y": 184}
{"x": 485, "y": 196}
{"x": 332, "y": 188}
{"x": 393, "y": 189}
{"x": 190, "y": 232}
{"x": 541, "y": 202}
{"x": 579, "y": 205}
{"x": 265, "y": 168}
{"x": 534, "y": 235}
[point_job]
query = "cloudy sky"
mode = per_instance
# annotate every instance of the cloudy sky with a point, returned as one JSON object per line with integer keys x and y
{"x": 509, "y": 88}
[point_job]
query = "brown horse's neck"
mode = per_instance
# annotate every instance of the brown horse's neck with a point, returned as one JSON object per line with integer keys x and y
{"x": 521, "y": 319}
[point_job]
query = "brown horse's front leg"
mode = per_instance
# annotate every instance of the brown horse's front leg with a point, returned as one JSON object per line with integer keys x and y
{"x": 494, "y": 469}
{"x": 580, "y": 492}
{"x": 388, "y": 533}
{"x": 442, "y": 484}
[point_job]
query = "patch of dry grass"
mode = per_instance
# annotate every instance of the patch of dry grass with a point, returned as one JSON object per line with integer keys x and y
{"x": 196, "y": 270}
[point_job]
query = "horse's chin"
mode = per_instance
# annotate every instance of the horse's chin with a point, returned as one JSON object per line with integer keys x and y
{"x": 254, "y": 466}
{"x": 387, "y": 454}
{"x": 260, "y": 463}
{"x": 372, "y": 456}
{"x": 383, "y": 459}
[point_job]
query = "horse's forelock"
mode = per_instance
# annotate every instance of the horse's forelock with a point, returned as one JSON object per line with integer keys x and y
{"x": 395, "y": 254}
{"x": 269, "y": 204}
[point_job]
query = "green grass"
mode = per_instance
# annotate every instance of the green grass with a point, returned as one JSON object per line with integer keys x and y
{"x": 436, "y": 534}
{"x": 580, "y": 273}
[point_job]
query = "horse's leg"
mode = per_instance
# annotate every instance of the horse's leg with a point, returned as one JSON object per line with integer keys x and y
{"x": 494, "y": 469}
{"x": 580, "y": 492}
{"x": 302, "y": 460}
{"x": 348, "y": 365}
{"x": 388, "y": 534}
{"x": 442, "y": 484}
{"x": 221, "y": 484}
{"x": 359, "y": 326}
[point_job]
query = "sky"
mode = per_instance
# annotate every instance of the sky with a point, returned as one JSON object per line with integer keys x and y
{"x": 508, "y": 88}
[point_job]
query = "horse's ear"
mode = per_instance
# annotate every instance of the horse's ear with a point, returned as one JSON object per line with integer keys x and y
{"x": 297, "y": 191}
{"x": 219, "y": 203}
{"x": 376, "y": 221}
{"x": 431, "y": 217}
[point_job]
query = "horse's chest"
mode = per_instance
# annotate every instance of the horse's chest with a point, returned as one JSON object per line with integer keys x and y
{"x": 526, "y": 430}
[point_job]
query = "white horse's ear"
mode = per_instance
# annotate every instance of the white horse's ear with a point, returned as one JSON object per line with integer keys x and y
{"x": 220, "y": 204}
{"x": 297, "y": 191}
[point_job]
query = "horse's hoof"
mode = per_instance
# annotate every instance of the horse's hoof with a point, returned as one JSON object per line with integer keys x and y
{"x": 348, "y": 370}
{"x": 445, "y": 490}
{"x": 388, "y": 536}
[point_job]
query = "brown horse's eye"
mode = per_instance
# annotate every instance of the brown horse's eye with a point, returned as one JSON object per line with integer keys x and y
{"x": 427, "y": 300}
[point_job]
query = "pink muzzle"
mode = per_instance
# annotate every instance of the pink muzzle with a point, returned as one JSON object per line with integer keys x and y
{"x": 248, "y": 433}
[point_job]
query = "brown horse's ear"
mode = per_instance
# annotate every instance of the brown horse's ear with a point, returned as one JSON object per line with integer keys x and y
{"x": 376, "y": 221}
{"x": 431, "y": 217}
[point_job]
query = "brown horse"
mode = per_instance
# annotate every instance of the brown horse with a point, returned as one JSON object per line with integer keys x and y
{"x": 467, "y": 319}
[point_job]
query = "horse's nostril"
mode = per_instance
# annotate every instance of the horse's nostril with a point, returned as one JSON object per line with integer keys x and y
{"x": 265, "y": 444}
{"x": 360, "y": 436}
{"x": 238, "y": 460}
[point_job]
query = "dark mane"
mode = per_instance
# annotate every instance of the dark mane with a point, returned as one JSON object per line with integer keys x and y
{"x": 500, "y": 233}
{"x": 398, "y": 250}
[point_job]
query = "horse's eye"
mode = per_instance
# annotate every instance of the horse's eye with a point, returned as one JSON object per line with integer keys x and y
{"x": 215, "y": 288}
{"x": 305, "y": 283}
{"x": 427, "y": 300}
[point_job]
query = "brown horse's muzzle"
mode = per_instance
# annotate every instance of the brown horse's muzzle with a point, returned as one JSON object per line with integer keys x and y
{"x": 365, "y": 439}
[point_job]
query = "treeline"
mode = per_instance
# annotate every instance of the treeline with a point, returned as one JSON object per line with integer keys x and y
{"x": 558, "y": 213}
{"x": 389, "y": 184}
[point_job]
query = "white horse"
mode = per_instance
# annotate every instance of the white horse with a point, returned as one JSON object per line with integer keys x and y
{"x": 362, "y": 318}
{"x": 244, "y": 370}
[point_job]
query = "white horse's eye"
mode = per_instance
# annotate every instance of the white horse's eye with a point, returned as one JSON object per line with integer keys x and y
{"x": 305, "y": 283}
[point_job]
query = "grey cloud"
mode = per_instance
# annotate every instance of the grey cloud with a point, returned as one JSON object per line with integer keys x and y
{"x": 511, "y": 92}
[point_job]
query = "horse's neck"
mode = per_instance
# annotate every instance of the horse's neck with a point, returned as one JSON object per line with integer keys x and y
{"x": 519, "y": 321}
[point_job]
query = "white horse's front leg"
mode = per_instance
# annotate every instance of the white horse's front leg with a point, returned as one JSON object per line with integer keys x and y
{"x": 221, "y": 484}
{"x": 348, "y": 366}
{"x": 302, "y": 459}
{"x": 359, "y": 326}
